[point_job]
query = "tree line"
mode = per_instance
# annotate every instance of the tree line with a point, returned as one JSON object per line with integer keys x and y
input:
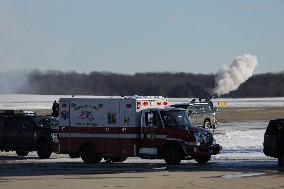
{"x": 180, "y": 85}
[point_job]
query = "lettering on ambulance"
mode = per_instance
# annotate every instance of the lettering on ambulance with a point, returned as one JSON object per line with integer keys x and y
{"x": 86, "y": 114}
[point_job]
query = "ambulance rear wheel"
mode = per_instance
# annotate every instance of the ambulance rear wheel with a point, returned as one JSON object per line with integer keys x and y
{"x": 172, "y": 155}
{"x": 88, "y": 154}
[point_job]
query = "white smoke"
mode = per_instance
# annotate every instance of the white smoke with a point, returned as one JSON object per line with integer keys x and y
{"x": 230, "y": 78}
{"x": 13, "y": 81}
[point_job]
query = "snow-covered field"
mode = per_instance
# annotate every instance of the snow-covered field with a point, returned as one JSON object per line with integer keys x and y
{"x": 241, "y": 140}
{"x": 21, "y": 101}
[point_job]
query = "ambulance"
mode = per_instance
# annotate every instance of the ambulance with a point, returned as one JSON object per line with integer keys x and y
{"x": 115, "y": 128}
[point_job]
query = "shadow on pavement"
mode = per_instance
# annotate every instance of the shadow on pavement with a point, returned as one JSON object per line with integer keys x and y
{"x": 18, "y": 168}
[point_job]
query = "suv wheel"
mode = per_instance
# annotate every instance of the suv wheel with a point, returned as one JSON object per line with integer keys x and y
{"x": 281, "y": 160}
{"x": 22, "y": 153}
{"x": 172, "y": 155}
{"x": 206, "y": 124}
{"x": 118, "y": 159}
{"x": 43, "y": 149}
{"x": 88, "y": 154}
{"x": 74, "y": 155}
{"x": 202, "y": 159}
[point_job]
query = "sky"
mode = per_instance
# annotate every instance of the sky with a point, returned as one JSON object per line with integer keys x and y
{"x": 130, "y": 36}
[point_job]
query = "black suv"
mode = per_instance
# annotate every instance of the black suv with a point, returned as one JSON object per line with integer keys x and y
{"x": 274, "y": 140}
{"x": 23, "y": 131}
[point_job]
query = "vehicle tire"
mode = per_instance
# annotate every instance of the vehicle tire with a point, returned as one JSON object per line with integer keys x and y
{"x": 202, "y": 159}
{"x": 172, "y": 155}
{"x": 74, "y": 155}
{"x": 281, "y": 160}
{"x": 43, "y": 149}
{"x": 22, "y": 153}
{"x": 118, "y": 159}
{"x": 88, "y": 154}
{"x": 207, "y": 124}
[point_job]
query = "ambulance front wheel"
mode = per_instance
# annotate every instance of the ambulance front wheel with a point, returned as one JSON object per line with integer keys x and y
{"x": 203, "y": 159}
{"x": 88, "y": 154}
{"x": 172, "y": 155}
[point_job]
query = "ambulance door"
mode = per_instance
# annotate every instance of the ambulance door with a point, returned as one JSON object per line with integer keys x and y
{"x": 64, "y": 126}
{"x": 128, "y": 129}
{"x": 150, "y": 136}
{"x": 112, "y": 129}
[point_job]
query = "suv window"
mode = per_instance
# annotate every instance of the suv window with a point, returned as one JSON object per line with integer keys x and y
{"x": 27, "y": 125}
{"x": 48, "y": 122}
{"x": 183, "y": 106}
{"x": 14, "y": 123}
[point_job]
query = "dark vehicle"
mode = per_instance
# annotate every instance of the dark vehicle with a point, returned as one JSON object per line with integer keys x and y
{"x": 24, "y": 132}
{"x": 274, "y": 140}
{"x": 201, "y": 113}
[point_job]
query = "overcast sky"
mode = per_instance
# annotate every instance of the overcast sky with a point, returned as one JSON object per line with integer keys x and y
{"x": 129, "y": 36}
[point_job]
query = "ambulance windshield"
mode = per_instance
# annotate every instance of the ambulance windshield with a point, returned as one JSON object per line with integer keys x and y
{"x": 175, "y": 118}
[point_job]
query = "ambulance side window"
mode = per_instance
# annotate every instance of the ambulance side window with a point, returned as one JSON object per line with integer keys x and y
{"x": 149, "y": 119}
{"x": 111, "y": 118}
{"x": 152, "y": 119}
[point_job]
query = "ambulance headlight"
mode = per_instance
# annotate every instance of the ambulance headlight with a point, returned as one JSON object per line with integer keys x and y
{"x": 201, "y": 138}
{"x": 197, "y": 136}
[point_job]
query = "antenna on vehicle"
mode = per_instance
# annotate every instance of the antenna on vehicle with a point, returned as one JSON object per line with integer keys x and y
{"x": 210, "y": 98}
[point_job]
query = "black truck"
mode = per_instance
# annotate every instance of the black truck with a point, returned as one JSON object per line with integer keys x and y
{"x": 24, "y": 132}
{"x": 273, "y": 144}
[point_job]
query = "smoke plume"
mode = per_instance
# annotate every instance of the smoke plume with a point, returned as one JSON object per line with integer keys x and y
{"x": 230, "y": 78}
{"x": 13, "y": 81}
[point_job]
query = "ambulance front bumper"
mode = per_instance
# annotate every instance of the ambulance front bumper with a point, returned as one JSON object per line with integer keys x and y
{"x": 202, "y": 150}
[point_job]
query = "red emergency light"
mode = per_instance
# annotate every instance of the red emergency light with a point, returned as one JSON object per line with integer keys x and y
{"x": 165, "y": 103}
{"x": 159, "y": 103}
{"x": 138, "y": 104}
{"x": 145, "y": 103}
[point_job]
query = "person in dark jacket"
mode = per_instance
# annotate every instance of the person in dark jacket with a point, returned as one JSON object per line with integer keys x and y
{"x": 55, "y": 109}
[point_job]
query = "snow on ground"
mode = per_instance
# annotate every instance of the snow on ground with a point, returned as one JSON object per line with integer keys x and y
{"x": 241, "y": 144}
{"x": 241, "y": 140}
{"x": 24, "y": 101}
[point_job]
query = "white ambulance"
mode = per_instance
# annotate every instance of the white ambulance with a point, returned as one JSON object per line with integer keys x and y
{"x": 115, "y": 128}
